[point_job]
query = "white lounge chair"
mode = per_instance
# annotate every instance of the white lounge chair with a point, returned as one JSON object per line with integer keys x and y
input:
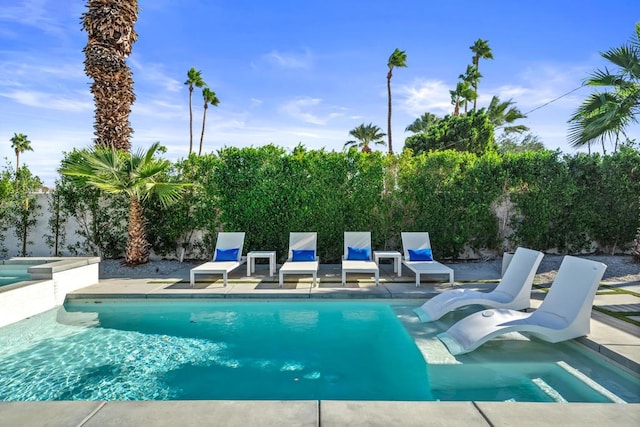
{"x": 357, "y": 255}
{"x": 302, "y": 258}
{"x": 564, "y": 314}
{"x": 513, "y": 291}
{"x": 414, "y": 243}
{"x": 226, "y": 258}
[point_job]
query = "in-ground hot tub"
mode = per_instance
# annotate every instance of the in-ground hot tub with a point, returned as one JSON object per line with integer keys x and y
{"x": 34, "y": 285}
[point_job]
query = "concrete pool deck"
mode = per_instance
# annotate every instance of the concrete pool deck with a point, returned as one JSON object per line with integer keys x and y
{"x": 612, "y": 337}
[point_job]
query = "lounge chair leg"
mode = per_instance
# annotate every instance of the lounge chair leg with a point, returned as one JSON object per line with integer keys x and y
{"x": 344, "y": 277}
{"x": 281, "y": 279}
{"x": 417, "y": 280}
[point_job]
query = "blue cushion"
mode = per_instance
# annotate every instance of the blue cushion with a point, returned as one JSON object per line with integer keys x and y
{"x": 358, "y": 254}
{"x": 420, "y": 255}
{"x": 227, "y": 254}
{"x": 303, "y": 255}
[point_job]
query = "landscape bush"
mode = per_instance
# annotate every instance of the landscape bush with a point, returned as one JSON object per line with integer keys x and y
{"x": 564, "y": 203}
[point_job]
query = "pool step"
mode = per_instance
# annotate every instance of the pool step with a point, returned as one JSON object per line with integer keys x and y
{"x": 548, "y": 390}
{"x": 591, "y": 383}
{"x": 557, "y": 396}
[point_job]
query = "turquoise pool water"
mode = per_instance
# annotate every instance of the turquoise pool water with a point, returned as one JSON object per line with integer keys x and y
{"x": 14, "y": 271}
{"x": 13, "y": 274}
{"x": 271, "y": 350}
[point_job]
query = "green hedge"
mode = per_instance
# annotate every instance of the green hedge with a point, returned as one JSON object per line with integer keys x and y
{"x": 559, "y": 202}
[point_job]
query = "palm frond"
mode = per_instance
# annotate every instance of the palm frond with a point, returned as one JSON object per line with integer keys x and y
{"x": 625, "y": 57}
{"x": 167, "y": 193}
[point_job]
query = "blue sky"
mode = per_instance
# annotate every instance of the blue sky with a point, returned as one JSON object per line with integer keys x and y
{"x": 290, "y": 71}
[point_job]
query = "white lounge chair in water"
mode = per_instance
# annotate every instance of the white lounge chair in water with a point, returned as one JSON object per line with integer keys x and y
{"x": 302, "y": 258}
{"x": 564, "y": 314}
{"x": 226, "y": 258}
{"x": 417, "y": 256}
{"x": 513, "y": 291}
{"x": 357, "y": 255}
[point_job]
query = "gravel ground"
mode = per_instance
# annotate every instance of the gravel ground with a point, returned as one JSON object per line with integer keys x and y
{"x": 112, "y": 268}
{"x": 619, "y": 268}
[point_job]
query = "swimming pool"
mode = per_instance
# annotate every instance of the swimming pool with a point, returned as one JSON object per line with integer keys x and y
{"x": 278, "y": 350}
{"x": 14, "y": 273}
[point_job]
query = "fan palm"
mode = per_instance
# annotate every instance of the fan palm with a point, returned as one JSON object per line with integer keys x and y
{"x": 194, "y": 78}
{"x": 467, "y": 88}
{"x": 397, "y": 59}
{"x": 20, "y": 143}
{"x": 111, "y": 35}
{"x": 422, "y": 123}
{"x": 456, "y": 98}
{"x": 136, "y": 175}
{"x": 209, "y": 97}
{"x": 503, "y": 114}
{"x": 366, "y": 135}
{"x": 607, "y": 115}
{"x": 481, "y": 50}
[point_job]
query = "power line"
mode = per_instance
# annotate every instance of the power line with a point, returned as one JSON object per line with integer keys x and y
{"x": 555, "y": 99}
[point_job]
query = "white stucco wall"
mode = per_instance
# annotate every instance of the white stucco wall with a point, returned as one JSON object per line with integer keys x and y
{"x": 36, "y": 235}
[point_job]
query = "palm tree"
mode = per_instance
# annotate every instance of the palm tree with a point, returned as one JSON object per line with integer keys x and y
{"x": 136, "y": 175}
{"x": 456, "y": 98}
{"x": 194, "y": 78}
{"x": 482, "y": 50}
{"x": 110, "y": 39}
{"x": 503, "y": 114}
{"x": 422, "y": 123}
{"x": 608, "y": 114}
{"x": 366, "y": 135}
{"x": 467, "y": 88}
{"x": 20, "y": 143}
{"x": 209, "y": 98}
{"x": 397, "y": 59}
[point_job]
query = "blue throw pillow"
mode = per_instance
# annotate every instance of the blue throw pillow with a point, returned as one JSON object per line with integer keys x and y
{"x": 227, "y": 254}
{"x": 420, "y": 254}
{"x": 303, "y": 255}
{"x": 358, "y": 254}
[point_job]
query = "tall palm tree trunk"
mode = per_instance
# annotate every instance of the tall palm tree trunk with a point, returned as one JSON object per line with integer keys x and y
{"x": 111, "y": 35}
{"x": 190, "y": 119}
{"x": 389, "y": 111}
{"x": 204, "y": 119}
{"x": 137, "y": 246}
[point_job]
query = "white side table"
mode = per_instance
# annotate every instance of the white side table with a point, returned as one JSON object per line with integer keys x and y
{"x": 251, "y": 261}
{"x": 395, "y": 255}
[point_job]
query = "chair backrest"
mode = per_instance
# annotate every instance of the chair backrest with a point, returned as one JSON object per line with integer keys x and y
{"x": 572, "y": 292}
{"x": 357, "y": 239}
{"x": 229, "y": 240}
{"x": 304, "y": 241}
{"x": 414, "y": 240}
{"x": 518, "y": 278}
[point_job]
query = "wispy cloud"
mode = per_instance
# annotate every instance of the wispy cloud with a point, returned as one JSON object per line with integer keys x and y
{"x": 50, "y": 101}
{"x": 310, "y": 110}
{"x": 539, "y": 84}
{"x": 425, "y": 95}
{"x": 33, "y": 13}
{"x": 290, "y": 60}
{"x": 153, "y": 73}
{"x": 24, "y": 70}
